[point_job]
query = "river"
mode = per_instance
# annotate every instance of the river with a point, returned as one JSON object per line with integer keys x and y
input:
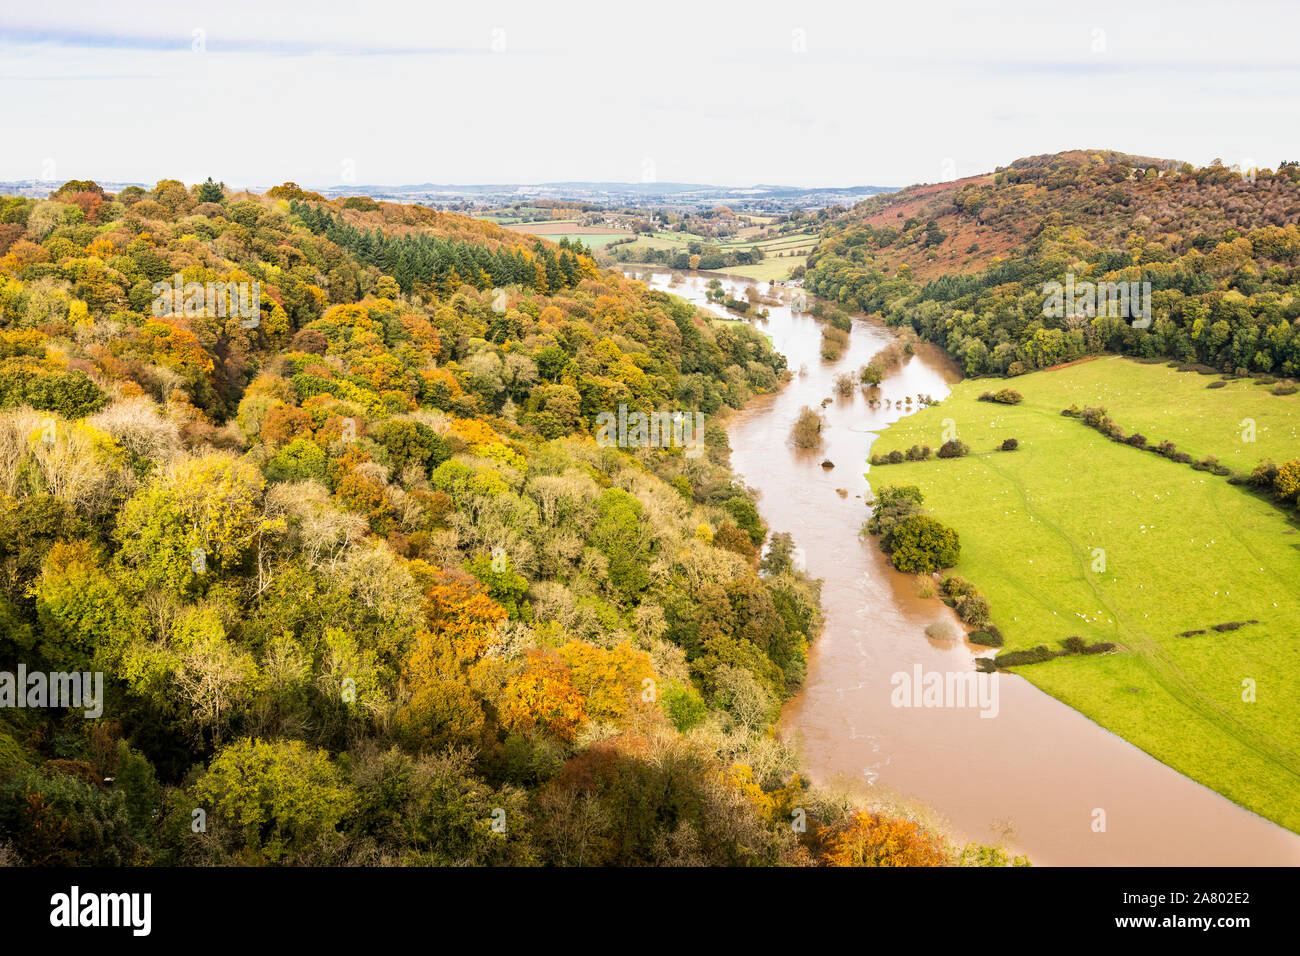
{"x": 1034, "y": 776}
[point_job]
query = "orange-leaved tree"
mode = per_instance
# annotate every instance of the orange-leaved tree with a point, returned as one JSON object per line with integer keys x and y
{"x": 873, "y": 839}
{"x": 542, "y": 699}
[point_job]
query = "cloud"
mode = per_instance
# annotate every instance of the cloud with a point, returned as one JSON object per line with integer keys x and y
{"x": 213, "y": 43}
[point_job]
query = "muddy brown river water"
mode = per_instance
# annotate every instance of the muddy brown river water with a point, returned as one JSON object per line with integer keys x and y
{"x": 1034, "y": 775}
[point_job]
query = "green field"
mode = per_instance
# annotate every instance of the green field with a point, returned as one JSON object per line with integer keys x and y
{"x": 773, "y": 267}
{"x": 1183, "y": 550}
{"x": 770, "y": 268}
{"x": 593, "y": 240}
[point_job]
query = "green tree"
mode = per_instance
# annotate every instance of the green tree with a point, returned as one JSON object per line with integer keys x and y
{"x": 921, "y": 545}
{"x": 279, "y": 797}
{"x": 212, "y": 192}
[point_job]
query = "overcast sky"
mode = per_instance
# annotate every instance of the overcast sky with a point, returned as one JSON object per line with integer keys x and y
{"x": 255, "y": 92}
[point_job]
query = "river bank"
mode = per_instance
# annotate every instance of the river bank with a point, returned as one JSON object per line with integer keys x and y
{"x": 1034, "y": 775}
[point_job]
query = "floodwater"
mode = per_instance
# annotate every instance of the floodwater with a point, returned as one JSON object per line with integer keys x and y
{"x": 1037, "y": 777}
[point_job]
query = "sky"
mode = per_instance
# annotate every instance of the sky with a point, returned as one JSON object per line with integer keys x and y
{"x": 257, "y": 92}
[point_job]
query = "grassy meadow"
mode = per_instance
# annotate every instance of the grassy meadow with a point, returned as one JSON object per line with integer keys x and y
{"x": 1073, "y": 534}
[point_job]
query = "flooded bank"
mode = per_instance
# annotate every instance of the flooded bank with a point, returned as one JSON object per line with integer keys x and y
{"x": 1034, "y": 774}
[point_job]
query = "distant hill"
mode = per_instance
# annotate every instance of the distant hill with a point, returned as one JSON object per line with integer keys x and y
{"x": 679, "y": 195}
{"x": 966, "y": 261}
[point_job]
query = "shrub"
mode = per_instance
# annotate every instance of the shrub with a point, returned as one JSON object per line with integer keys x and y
{"x": 834, "y": 341}
{"x": 1008, "y": 396}
{"x": 973, "y": 609}
{"x": 1283, "y": 389}
{"x": 1264, "y": 475}
{"x": 1010, "y": 444}
{"x": 1137, "y": 440}
{"x": 807, "y": 430}
{"x": 987, "y": 637}
{"x": 1286, "y": 483}
{"x": 920, "y": 544}
{"x": 1232, "y": 625}
{"x": 1035, "y": 655}
{"x": 1219, "y": 384}
{"x": 942, "y": 631}
{"x": 955, "y": 586}
{"x": 895, "y": 457}
{"x": 954, "y": 448}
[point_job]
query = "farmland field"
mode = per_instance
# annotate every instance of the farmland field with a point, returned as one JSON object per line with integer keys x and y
{"x": 593, "y": 240}
{"x": 773, "y": 267}
{"x": 1073, "y": 534}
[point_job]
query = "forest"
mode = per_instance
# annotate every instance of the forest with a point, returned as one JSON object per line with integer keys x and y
{"x": 965, "y": 264}
{"x": 362, "y": 587}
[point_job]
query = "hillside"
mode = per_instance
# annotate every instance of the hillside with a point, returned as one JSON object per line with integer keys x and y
{"x": 319, "y": 489}
{"x": 965, "y": 263}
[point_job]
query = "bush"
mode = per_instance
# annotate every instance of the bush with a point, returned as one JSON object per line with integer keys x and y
{"x": 1008, "y": 396}
{"x": 1092, "y": 417}
{"x": 942, "y": 631}
{"x": 973, "y": 609}
{"x": 955, "y": 586}
{"x": 1283, "y": 389}
{"x": 989, "y": 636}
{"x": 954, "y": 448}
{"x": 1035, "y": 655}
{"x": 807, "y": 430}
{"x": 1264, "y": 475}
{"x": 1219, "y": 384}
{"x": 921, "y": 545}
{"x": 1010, "y": 444}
